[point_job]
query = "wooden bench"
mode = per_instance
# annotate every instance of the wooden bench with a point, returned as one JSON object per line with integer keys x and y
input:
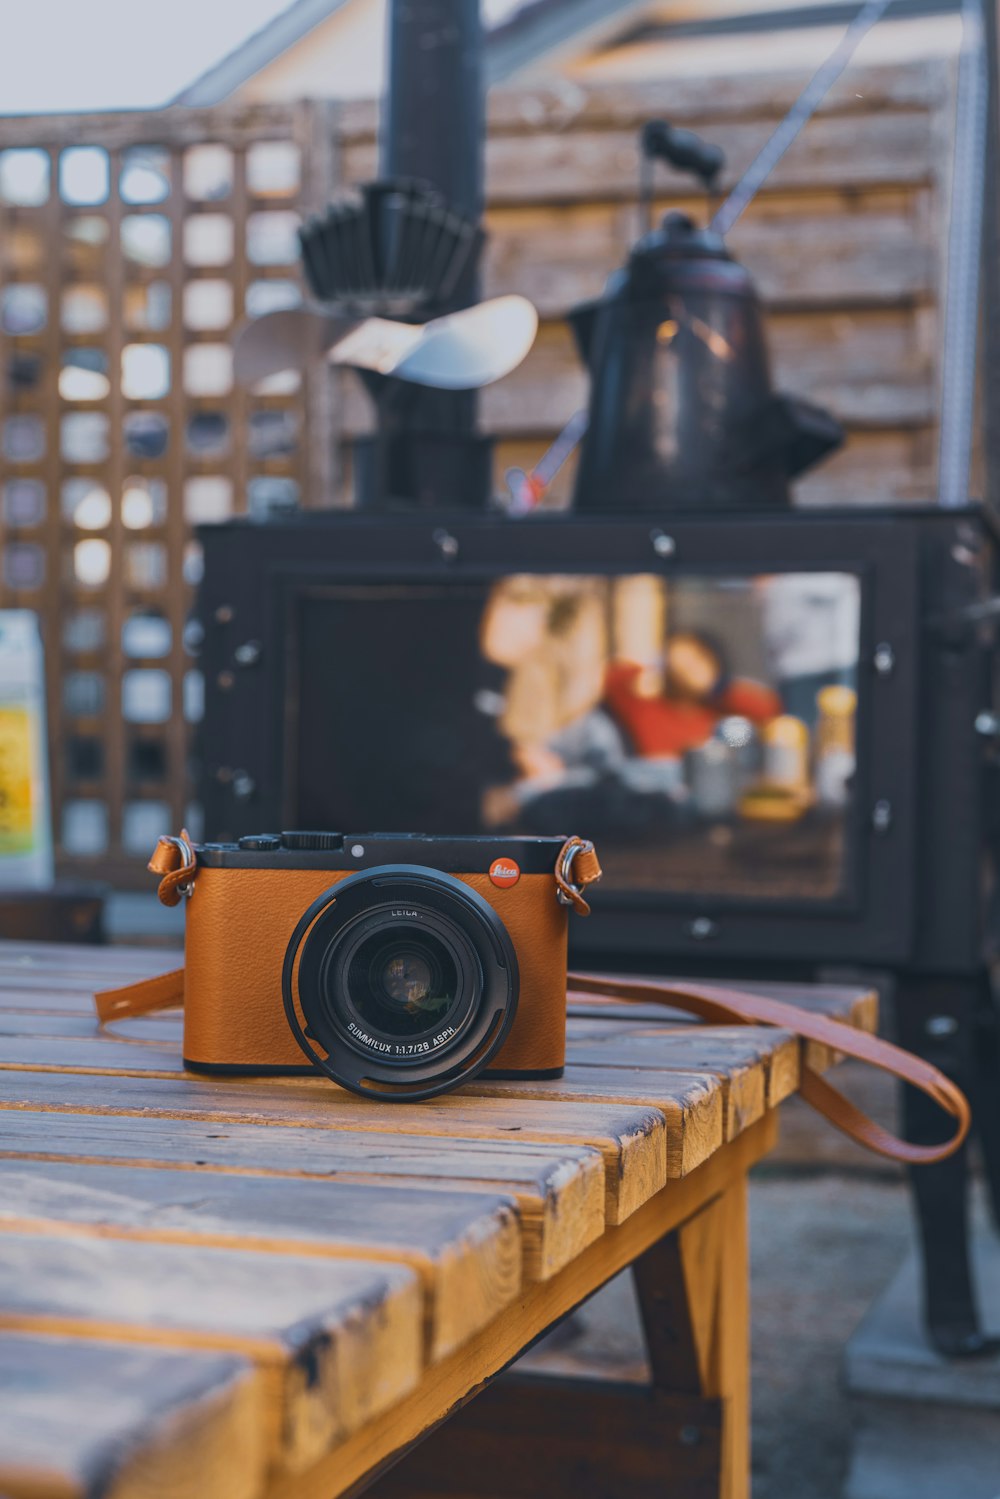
{"x": 225, "y": 1289}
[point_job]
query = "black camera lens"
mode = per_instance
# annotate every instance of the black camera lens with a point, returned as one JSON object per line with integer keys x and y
{"x": 401, "y": 980}
{"x": 406, "y": 979}
{"x": 408, "y": 984}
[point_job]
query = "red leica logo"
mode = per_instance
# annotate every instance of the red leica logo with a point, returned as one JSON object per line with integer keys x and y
{"x": 504, "y": 872}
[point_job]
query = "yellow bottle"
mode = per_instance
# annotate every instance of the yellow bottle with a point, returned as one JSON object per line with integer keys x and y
{"x": 835, "y": 748}
{"x": 783, "y": 793}
{"x": 25, "y": 828}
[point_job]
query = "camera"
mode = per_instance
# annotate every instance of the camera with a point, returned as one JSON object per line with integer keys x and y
{"x": 399, "y": 965}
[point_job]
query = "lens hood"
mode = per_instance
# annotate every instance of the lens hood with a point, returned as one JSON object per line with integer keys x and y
{"x": 400, "y": 983}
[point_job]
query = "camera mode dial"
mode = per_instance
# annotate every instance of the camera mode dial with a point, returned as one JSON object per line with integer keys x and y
{"x": 319, "y": 842}
{"x": 260, "y": 843}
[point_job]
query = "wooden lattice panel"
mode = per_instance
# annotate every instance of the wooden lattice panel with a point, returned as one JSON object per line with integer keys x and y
{"x": 130, "y": 248}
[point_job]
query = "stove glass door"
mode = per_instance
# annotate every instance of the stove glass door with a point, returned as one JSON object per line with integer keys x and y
{"x": 702, "y": 728}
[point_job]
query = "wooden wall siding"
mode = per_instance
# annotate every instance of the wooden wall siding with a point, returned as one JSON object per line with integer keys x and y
{"x": 846, "y": 245}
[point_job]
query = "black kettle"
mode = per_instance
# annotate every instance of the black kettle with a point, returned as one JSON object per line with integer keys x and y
{"x": 682, "y": 414}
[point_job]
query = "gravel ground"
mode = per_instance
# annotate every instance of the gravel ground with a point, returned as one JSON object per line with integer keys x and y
{"x": 821, "y": 1247}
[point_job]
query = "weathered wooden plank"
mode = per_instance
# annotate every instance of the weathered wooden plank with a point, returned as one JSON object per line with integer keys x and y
{"x": 742, "y": 1076}
{"x": 25, "y": 967}
{"x": 74, "y": 957}
{"x": 864, "y": 255}
{"x": 569, "y": 104}
{"x": 70, "y": 985}
{"x": 180, "y": 126}
{"x": 560, "y": 1194}
{"x": 165, "y": 1030}
{"x": 698, "y": 100}
{"x": 98, "y": 1053}
{"x": 632, "y": 1140}
{"x": 335, "y": 1342}
{"x": 840, "y": 344}
{"x": 838, "y": 151}
{"x": 466, "y": 1248}
{"x": 874, "y": 468}
{"x": 774, "y": 1070}
{"x": 64, "y": 982}
{"x": 41, "y": 999}
{"x": 692, "y": 1103}
{"x": 758, "y": 1067}
{"x": 87, "y": 1420}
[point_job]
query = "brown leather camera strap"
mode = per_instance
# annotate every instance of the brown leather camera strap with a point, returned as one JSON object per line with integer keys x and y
{"x": 730, "y": 1006}
{"x": 173, "y": 860}
{"x": 165, "y": 992}
{"x": 576, "y": 867}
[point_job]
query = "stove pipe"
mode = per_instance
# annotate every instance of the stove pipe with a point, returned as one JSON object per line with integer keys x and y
{"x": 427, "y": 453}
{"x": 434, "y": 118}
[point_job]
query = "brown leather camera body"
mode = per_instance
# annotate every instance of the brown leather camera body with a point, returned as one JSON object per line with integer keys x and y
{"x": 247, "y": 901}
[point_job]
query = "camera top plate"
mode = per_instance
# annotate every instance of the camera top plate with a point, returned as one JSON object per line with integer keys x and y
{"x": 364, "y": 851}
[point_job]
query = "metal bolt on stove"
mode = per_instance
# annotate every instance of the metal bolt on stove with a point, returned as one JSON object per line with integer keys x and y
{"x": 244, "y": 785}
{"x": 446, "y": 544}
{"x": 882, "y": 816}
{"x": 248, "y": 654}
{"x": 940, "y": 1026}
{"x": 884, "y": 659}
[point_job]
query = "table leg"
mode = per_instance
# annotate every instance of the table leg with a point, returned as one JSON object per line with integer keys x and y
{"x": 693, "y": 1288}
{"x": 684, "y": 1435}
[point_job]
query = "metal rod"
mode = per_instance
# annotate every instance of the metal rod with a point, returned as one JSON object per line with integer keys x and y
{"x": 961, "y": 314}
{"x": 990, "y": 398}
{"x": 798, "y": 116}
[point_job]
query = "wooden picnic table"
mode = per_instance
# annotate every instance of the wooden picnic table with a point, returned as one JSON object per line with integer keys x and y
{"x": 232, "y": 1288}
